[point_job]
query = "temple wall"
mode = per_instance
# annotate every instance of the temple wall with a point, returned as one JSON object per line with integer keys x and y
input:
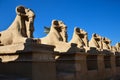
{"x": 117, "y": 65}
{"x": 41, "y": 62}
{"x": 85, "y": 66}
{"x": 45, "y": 65}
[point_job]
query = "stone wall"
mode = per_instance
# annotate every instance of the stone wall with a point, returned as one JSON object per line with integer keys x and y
{"x": 85, "y": 66}
{"x": 45, "y": 65}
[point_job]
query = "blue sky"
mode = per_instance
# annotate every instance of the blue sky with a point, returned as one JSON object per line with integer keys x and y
{"x": 94, "y": 16}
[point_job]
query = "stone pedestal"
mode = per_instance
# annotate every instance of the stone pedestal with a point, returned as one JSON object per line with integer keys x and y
{"x": 113, "y": 65}
{"x": 28, "y": 61}
{"x": 81, "y": 66}
{"x": 101, "y": 67}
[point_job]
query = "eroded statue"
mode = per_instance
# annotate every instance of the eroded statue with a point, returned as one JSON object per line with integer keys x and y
{"x": 58, "y": 38}
{"x": 63, "y": 31}
{"x": 80, "y": 37}
{"x": 106, "y": 43}
{"x": 58, "y": 33}
{"x": 21, "y": 28}
{"x": 96, "y": 41}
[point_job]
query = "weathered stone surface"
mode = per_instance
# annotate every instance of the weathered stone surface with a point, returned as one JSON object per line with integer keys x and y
{"x": 31, "y": 62}
{"x": 58, "y": 38}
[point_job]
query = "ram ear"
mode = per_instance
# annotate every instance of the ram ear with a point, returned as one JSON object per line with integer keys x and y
{"x": 103, "y": 38}
{"x": 20, "y": 9}
{"x": 77, "y": 30}
{"x": 94, "y": 35}
{"x": 55, "y": 22}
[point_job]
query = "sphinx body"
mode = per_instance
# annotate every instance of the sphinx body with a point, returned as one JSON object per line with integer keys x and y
{"x": 58, "y": 37}
{"x": 21, "y": 28}
{"x": 80, "y": 38}
{"x": 55, "y": 36}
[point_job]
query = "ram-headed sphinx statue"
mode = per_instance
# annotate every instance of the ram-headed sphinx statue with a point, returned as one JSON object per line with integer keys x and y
{"x": 96, "y": 41}
{"x": 80, "y": 37}
{"x": 21, "y": 28}
{"x": 58, "y": 33}
{"x": 106, "y": 43}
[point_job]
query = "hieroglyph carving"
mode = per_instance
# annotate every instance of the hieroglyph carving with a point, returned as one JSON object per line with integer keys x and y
{"x": 21, "y": 28}
{"x": 80, "y": 37}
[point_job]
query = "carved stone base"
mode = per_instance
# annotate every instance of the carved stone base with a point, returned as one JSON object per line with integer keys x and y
{"x": 28, "y": 62}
